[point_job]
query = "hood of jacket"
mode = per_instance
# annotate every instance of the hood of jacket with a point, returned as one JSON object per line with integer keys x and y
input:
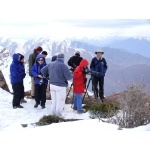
{"x": 39, "y": 56}
{"x": 83, "y": 63}
{"x": 16, "y": 58}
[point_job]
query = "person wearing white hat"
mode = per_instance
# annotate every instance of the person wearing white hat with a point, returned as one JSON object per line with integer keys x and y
{"x": 98, "y": 64}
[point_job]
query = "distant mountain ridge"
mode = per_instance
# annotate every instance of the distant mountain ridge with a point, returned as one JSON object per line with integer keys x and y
{"x": 119, "y": 60}
{"x": 134, "y": 45}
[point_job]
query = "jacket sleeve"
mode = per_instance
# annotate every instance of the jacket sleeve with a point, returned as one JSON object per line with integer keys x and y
{"x": 105, "y": 65}
{"x": 70, "y": 62}
{"x": 31, "y": 63}
{"x": 34, "y": 71}
{"x": 92, "y": 67}
{"x": 15, "y": 72}
{"x": 67, "y": 73}
{"x": 44, "y": 71}
{"x": 77, "y": 75}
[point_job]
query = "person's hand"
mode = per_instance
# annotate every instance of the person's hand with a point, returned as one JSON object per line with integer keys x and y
{"x": 40, "y": 76}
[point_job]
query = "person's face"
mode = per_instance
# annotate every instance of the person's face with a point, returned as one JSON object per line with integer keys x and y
{"x": 40, "y": 61}
{"x": 38, "y": 52}
{"x": 22, "y": 60}
{"x": 99, "y": 55}
{"x": 44, "y": 55}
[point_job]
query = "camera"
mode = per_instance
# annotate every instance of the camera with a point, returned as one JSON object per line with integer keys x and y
{"x": 90, "y": 72}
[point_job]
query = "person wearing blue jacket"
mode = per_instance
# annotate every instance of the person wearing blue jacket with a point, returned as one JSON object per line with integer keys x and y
{"x": 17, "y": 74}
{"x": 39, "y": 81}
{"x": 98, "y": 64}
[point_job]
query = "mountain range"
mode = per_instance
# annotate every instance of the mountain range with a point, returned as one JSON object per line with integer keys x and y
{"x": 124, "y": 66}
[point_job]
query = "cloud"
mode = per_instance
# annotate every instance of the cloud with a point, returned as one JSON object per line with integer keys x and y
{"x": 65, "y": 18}
{"x": 78, "y": 28}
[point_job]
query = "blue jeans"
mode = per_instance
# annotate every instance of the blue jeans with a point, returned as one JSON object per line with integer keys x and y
{"x": 78, "y": 101}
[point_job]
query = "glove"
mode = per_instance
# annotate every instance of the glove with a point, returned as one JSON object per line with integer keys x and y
{"x": 84, "y": 72}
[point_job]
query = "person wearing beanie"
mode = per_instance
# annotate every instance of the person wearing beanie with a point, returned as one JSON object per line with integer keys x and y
{"x": 98, "y": 64}
{"x": 40, "y": 82}
{"x": 74, "y": 61}
{"x": 31, "y": 60}
{"x": 39, "y": 49}
{"x": 17, "y": 75}
{"x": 59, "y": 74}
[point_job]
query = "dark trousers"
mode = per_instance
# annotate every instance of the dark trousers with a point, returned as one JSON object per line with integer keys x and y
{"x": 22, "y": 91}
{"x": 40, "y": 94}
{"x": 18, "y": 88}
{"x": 98, "y": 91}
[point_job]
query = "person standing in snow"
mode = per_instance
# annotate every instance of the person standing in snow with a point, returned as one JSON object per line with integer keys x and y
{"x": 99, "y": 64}
{"x": 32, "y": 58}
{"x": 79, "y": 84}
{"x": 40, "y": 82}
{"x": 17, "y": 74}
{"x": 22, "y": 63}
{"x": 59, "y": 74}
{"x": 74, "y": 61}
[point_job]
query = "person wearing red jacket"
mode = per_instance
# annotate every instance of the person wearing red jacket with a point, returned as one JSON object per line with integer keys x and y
{"x": 79, "y": 85}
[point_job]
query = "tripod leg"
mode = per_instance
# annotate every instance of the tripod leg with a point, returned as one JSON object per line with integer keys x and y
{"x": 86, "y": 90}
{"x": 72, "y": 101}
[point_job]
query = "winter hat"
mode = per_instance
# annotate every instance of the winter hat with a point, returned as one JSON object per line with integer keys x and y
{"x": 44, "y": 53}
{"x": 99, "y": 51}
{"x": 60, "y": 56}
{"x": 54, "y": 57}
{"x": 39, "y": 49}
{"x": 77, "y": 53}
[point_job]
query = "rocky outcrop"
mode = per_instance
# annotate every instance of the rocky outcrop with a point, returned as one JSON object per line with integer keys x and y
{"x": 3, "y": 83}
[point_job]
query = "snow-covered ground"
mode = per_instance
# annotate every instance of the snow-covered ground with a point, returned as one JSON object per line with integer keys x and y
{"x": 84, "y": 134}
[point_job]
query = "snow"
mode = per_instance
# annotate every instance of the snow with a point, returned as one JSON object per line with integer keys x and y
{"x": 83, "y": 134}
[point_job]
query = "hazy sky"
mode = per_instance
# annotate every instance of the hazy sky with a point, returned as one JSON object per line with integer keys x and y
{"x": 73, "y": 18}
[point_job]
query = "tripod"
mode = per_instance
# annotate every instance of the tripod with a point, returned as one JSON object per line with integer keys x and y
{"x": 91, "y": 79}
{"x": 69, "y": 92}
{"x": 87, "y": 89}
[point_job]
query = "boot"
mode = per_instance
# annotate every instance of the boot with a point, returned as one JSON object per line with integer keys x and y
{"x": 81, "y": 111}
{"x": 43, "y": 106}
{"x": 19, "y": 106}
{"x": 36, "y": 105}
{"x": 23, "y": 101}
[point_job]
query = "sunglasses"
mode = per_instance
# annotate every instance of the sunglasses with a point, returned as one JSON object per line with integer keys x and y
{"x": 40, "y": 60}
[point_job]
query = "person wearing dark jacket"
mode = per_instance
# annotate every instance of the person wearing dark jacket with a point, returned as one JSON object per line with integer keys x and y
{"x": 99, "y": 64}
{"x": 59, "y": 74}
{"x": 32, "y": 58}
{"x": 22, "y": 63}
{"x": 74, "y": 61}
{"x": 17, "y": 74}
{"x": 40, "y": 82}
{"x": 79, "y": 85}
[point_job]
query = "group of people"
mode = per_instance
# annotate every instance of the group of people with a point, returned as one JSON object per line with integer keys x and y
{"x": 57, "y": 74}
